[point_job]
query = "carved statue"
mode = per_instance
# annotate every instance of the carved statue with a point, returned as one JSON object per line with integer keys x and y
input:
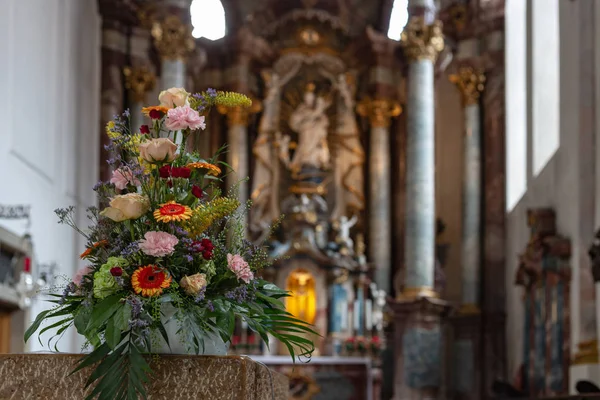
{"x": 311, "y": 123}
{"x": 343, "y": 226}
{"x": 265, "y": 200}
{"x": 379, "y": 302}
{"x": 349, "y": 155}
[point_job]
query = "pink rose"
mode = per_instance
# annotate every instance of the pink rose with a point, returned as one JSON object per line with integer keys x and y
{"x": 122, "y": 177}
{"x": 78, "y": 278}
{"x": 158, "y": 244}
{"x": 185, "y": 117}
{"x": 239, "y": 267}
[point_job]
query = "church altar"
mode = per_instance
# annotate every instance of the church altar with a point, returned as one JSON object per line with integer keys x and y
{"x": 46, "y": 376}
{"x": 340, "y": 378}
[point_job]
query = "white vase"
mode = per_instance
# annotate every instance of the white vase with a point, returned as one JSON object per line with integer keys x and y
{"x": 213, "y": 344}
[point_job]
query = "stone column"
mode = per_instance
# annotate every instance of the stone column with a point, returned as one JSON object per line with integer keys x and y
{"x": 418, "y": 314}
{"x": 139, "y": 81}
{"x": 116, "y": 17}
{"x": 379, "y": 112}
{"x": 174, "y": 42}
{"x": 467, "y": 338}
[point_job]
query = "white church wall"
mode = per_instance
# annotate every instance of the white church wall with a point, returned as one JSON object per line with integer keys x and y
{"x": 49, "y": 143}
{"x": 565, "y": 183}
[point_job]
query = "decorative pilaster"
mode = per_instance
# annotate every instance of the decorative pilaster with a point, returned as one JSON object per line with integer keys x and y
{"x": 470, "y": 82}
{"x": 138, "y": 81}
{"x": 379, "y": 112}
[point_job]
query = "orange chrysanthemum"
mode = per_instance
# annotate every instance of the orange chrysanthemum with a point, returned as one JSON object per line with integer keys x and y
{"x": 212, "y": 169}
{"x": 172, "y": 211}
{"x": 93, "y": 247}
{"x": 162, "y": 109}
{"x": 150, "y": 280}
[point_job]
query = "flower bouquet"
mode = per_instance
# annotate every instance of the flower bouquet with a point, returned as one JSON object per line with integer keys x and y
{"x": 168, "y": 262}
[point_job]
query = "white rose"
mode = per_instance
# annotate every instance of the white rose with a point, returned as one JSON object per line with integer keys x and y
{"x": 174, "y": 97}
{"x": 193, "y": 284}
{"x": 127, "y": 206}
{"x": 158, "y": 150}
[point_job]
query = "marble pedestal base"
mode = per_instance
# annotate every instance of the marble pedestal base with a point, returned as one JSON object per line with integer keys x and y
{"x": 45, "y": 376}
{"x": 465, "y": 376}
{"x": 419, "y": 348}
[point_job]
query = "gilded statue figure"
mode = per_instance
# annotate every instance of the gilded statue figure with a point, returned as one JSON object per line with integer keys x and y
{"x": 309, "y": 121}
{"x": 349, "y": 155}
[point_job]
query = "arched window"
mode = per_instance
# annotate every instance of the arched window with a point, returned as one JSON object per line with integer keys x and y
{"x": 398, "y": 19}
{"x": 208, "y": 19}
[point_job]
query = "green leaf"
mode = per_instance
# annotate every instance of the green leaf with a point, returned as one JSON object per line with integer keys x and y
{"x": 112, "y": 334}
{"x": 82, "y": 318}
{"x": 36, "y": 324}
{"x": 98, "y": 354}
{"x": 103, "y": 311}
{"x": 122, "y": 317}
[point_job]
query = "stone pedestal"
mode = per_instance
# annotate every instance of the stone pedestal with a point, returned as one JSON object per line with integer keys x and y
{"x": 465, "y": 372}
{"x": 419, "y": 348}
{"x": 46, "y": 376}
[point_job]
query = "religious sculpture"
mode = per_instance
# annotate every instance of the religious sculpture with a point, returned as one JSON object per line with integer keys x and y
{"x": 379, "y": 303}
{"x": 311, "y": 123}
{"x": 343, "y": 239}
{"x": 349, "y": 155}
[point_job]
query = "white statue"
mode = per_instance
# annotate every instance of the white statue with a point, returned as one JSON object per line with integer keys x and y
{"x": 379, "y": 302}
{"x": 265, "y": 200}
{"x": 343, "y": 226}
{"x": 349, "y": 155}
{"x": 311, "y": 123}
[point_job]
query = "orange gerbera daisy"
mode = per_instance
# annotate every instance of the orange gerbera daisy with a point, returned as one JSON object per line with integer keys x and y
{"x": 150, "y": 280}
{"x": 172, "y": 211}
{"x": 212, "y": 169}
{"x": 162, "y": 109}
{"x": 93, "y": 247}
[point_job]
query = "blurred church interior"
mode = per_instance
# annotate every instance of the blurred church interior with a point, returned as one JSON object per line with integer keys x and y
{"x": 435, "y": 163}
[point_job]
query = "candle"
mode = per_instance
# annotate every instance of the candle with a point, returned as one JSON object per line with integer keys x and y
{"x": 344, "y": 315}
{"x": 357, "y": 317}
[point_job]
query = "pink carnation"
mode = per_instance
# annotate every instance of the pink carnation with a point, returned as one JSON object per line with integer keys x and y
{"x": 239, "y": 267}
{"x": 78, "y": 278}
{"x": 158, "y": 244}
{"x": 184, "y": 117}
{"x": 122, "y": 177}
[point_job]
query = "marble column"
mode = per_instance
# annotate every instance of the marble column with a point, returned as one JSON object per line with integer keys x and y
{"x": 174, "y": 42}
{"x": 379, "y": 112}
{"x": 470, "y": 82}
{"x": 419, "y": 316}
{"x": 139, "y": 81}
{"x": 114, "y": 56}
{"x": 466, "y": 380}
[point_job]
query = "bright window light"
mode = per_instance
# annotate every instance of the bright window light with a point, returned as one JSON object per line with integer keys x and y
{"x": 398, "y": 19}
{"x": 208, "y": 19}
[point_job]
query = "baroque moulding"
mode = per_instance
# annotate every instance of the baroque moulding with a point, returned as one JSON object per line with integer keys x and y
{"x": 421, "y": 41}
{"x": 379, "y": 111}
{"x": 172, "y": 38}
{"x": 470, "y": 81}
{"x": 139, "y": 81}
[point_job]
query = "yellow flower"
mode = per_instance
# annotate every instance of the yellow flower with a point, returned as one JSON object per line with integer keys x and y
{"x": 162, "y": 109}
{"x": 172, "y": 211}
{"x": 110, "y": 130}
{"x": 150, "y": 281}
{"x": 207, "y": 214}
{"x": 212, "y": 169}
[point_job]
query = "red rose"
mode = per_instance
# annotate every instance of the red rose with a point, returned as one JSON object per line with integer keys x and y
{"x": 165, "y": 171}
{"x": 144, "y": 129}
{"x": 116, "y": 271}
{"x": 207, "y": 255}
{"x": 196, "y": 191}
{"x": 155, "y": 114}
{"x": 181, "y": 172}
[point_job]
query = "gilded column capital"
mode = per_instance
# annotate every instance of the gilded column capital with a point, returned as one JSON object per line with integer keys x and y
{"x": 471, "y": 82}
{"x": 421, "y": 41}
{"x": 172, "y": 38}
{"x": 139, "y": 81}
{"x": 379, "y": 111}
{"x": 238, "y": 116}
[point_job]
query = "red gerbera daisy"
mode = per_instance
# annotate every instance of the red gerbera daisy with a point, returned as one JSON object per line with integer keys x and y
{"x": 150, "y": 280}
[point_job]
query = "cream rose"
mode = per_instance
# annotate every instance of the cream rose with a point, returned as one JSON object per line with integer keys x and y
{"x": 158, "y": 150}
{"x": 174, "y": 97}
{"x": 193, "y": 284}
{"x": 127, "y": 206}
